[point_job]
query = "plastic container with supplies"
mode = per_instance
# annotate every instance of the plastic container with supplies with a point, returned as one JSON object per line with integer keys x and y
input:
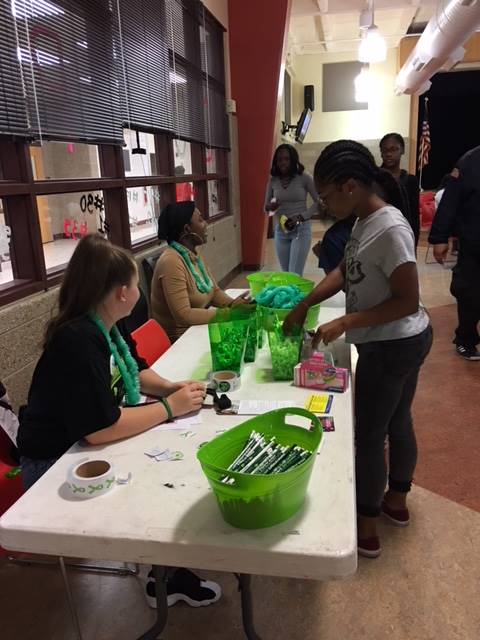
{"x": 257, "y": 501}
{"x": 285, "y": 351}
{"x": 228, "y": 332}
{"x": 258, "y": 281}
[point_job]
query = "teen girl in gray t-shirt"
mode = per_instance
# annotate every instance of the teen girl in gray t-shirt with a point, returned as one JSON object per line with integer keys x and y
{"x": 386, "y": 321}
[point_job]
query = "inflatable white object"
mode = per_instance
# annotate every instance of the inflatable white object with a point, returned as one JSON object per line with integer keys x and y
{"x": 440, "y": 46}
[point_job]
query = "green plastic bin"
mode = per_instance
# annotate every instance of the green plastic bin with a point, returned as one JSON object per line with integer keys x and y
{"x": 285, "y": 352}
{"x": 228, "y": 332}
{"x": 258, "y": 281}
{"x": 257, "y": 501}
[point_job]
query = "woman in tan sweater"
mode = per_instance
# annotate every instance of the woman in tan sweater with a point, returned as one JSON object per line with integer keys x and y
{"x": 184, "y": 292}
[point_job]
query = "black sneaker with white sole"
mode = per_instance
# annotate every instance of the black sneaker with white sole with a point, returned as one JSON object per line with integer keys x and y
{"x": 468, "y": 353}
{"x": 184, "y": 586}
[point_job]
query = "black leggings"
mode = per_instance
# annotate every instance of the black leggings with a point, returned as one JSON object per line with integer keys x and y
{"x": 385, "y": 383}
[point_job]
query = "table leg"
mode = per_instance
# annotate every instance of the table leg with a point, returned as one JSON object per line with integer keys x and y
{"x": 161, "y": 576}
{"x": 247, "y": 609}
{"x": 71, "y": 602}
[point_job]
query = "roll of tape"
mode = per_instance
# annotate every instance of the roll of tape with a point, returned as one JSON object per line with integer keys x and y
{"x": 226, "y": 381}
{"x": 90, "y": 478}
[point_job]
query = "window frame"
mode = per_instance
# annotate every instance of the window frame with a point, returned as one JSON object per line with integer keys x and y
{"x": 19, "y": 192}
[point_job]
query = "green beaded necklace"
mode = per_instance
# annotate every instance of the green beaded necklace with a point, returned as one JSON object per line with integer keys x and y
{"x": 203, "y": 281}
{"x": 123, "y": 359}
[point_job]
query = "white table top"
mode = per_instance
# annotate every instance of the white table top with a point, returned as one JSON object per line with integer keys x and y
{"x": 147, "y": 522}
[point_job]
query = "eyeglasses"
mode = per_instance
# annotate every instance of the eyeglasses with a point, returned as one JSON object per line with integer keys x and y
{"x": 324, "y": 198}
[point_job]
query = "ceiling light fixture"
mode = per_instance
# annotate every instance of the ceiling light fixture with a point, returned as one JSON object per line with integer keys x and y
{"x": 373, "y": 47}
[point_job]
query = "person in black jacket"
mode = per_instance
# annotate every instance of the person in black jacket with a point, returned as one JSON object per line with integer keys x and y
{"x": 459, "y": 214}
{"x": 392, "y": 148}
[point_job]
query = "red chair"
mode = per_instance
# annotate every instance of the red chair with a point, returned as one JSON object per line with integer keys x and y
{"x": 10, "y": 485}
{"x": 427, "y": 208}
{"x": 152, "y": 341}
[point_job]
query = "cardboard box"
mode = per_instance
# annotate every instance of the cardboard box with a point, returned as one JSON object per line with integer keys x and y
{"x": 315, "y": 373}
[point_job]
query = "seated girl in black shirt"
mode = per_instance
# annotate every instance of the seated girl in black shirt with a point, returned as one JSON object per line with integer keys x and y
{"x": 89, "y": 367}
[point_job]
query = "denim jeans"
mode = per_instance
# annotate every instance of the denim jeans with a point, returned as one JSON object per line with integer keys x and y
{"x": 32, "y": 470}
{"x": 292, "y": 248}
{"x": 385, "y": 384}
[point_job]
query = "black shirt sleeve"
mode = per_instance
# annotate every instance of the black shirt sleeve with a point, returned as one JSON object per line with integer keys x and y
{"x": 413, "y": 189}
{"x": 71, "y": 393}
{"x": 410, "y": 191}
{"x": 74, "y": 392}
{"x": 86, "y": 403}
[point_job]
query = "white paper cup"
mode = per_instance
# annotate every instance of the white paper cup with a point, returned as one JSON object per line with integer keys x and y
{"x": 226, "y": 381}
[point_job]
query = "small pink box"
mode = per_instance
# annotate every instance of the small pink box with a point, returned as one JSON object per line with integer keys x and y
{"x": 315, "y": 373}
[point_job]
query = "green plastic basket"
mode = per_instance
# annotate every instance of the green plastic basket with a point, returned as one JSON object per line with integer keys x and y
{"x": 228, "y": 332}
{"x": 258, "y": 281}
{"x": 257, "y": 501}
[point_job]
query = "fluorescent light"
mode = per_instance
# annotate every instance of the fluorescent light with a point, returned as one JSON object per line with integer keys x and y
{"x": 362, "y": 86}
{"x": 82, "y": 43}
{"x": 175, "y": 78}
{"x": 373, "y": 47}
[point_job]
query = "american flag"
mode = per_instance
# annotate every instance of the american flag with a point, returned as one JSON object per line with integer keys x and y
{"x": 425, "y": 144}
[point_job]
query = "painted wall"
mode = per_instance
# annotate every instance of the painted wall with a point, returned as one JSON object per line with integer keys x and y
{"x": 219, "y": 8}
{"x": 386, "y": 112}
{"x": 256, "y": 55}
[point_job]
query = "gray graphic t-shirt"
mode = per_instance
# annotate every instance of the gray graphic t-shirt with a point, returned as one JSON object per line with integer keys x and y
{"x": 378, "y": 245}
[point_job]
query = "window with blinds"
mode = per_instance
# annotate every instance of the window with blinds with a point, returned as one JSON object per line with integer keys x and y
{"x": 213, "y": 66}
{"x": 68, "y": 70}
{"x": 13, "y": 115}
{"x": 81, "y": 70}
{"x": 144, "y": 67}
{"x": 197, "y": 74}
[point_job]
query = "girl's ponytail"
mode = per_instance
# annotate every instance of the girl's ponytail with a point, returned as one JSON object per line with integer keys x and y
{"x": 390, "y": 190}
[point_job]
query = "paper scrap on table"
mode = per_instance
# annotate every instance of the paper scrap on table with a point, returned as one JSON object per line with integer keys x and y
{"x": 257, "y": 407}
{"x": 195, "y": 418}
{"x": 161, "y": 455}
{"x": 179, "y": 424}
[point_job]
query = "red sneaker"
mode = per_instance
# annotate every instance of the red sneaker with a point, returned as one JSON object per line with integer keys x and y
{"x": 399, "y": 517}
{"x": 369, "y": 547}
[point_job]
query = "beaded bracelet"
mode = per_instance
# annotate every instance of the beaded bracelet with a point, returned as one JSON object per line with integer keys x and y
{"x": 168, "y": 409}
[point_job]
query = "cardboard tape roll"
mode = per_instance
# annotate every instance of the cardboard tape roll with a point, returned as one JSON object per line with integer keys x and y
{"x": 90, "y": 478}
{"x": 226, "y": 381}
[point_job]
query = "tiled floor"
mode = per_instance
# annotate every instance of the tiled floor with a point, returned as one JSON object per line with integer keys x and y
{"x": 424, "y": 586}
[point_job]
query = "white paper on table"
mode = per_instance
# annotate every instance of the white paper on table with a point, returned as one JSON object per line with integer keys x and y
{"x": 179, "y": 424}
{"x": 188, "y": 421}
{"x": 257, "y": 407}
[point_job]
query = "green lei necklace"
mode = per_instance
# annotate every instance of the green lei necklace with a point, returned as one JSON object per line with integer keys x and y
{"x": 123, "y": 359}
{"x": 203, "y": 282}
